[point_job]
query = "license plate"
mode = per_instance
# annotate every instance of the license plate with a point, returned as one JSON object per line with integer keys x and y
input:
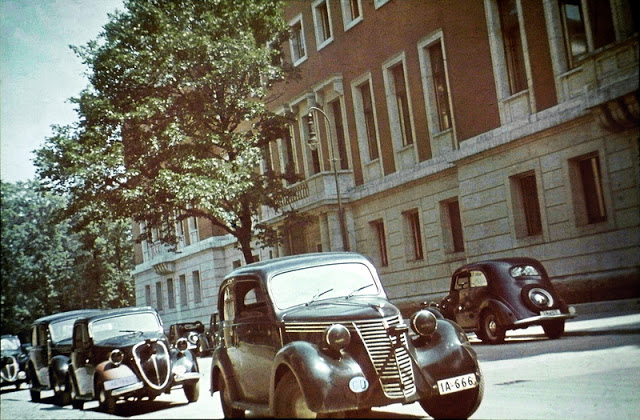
{"x": 458, "y": 383}
{"x": 120, "y": 382}
{"x": 550, "y": 312}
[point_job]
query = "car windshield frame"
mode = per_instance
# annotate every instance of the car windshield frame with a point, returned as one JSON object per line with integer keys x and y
{"x": 123, "y": 324}
{"x": 320, "y": 282}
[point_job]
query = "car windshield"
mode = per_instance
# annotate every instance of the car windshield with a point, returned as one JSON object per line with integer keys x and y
{"x": 61, "y": 330}
{"x": 10, "y": 343}
{"x": 322, "y": 282}
{"x": 103, "y": 329}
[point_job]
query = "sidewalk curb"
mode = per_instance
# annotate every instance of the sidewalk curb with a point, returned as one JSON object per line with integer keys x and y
{"x": 622, "y": 305}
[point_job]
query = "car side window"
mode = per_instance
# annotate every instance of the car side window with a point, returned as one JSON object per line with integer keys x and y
{"x": 462, "y": 281}
{"x": 77, "y": 337}
{"x": 229, "y": 308}
{"x": 251, "y": 299}
{"x": 478, "y": 279}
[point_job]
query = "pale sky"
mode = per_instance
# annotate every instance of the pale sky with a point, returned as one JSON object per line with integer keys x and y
{"x": 39, "y": 72}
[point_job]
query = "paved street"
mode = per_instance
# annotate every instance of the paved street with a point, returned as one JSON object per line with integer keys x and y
{"x": 593, "y": 372}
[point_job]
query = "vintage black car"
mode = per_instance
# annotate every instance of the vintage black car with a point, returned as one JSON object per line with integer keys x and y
{"x": 124, "y": 353}
{"x": 491, "y": 297}
{"x": 208, "y": 338}
{"x": 315, "y": 334}
{"x": 191, "y": 331}
{"x": 49, "y": 354}
{"x": 13, "y": 363}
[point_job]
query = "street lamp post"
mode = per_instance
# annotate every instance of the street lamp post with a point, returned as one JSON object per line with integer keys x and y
{"x": 313, "y": 144}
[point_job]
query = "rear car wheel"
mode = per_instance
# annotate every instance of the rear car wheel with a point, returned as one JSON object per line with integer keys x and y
{"x": 554, "y": 329}
{"x": 225, "y": 400}
{"x": 491, "y": 332}
{"x": 459, "y": 405}
{"x": 289, "y": 400}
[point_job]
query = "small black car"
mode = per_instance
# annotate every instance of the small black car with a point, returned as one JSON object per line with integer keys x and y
{"x": 13, "y": 363}
{"x": 189, "y": 330}
{"x": 315, "y": 334}
{"x": 491, "y": 297}
{"x": 124, "y": 353}
{"x": 49, "y": 354}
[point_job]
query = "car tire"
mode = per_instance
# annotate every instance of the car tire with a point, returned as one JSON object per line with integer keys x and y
{"x": 491, "y": 332}
{"x": 554, "y": 329}
{"x": 106, "y": 400}
{"x": 459, "y": 405}
{"x": 225, "y": 400}
{"x": 289, "y": 399}
{"x": 62, "y": 393}
{"x": 192, "y": 391}
{"x": 33, "y": 383}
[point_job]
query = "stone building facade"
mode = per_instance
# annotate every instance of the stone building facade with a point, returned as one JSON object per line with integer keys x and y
{"x": 449, "y": 132}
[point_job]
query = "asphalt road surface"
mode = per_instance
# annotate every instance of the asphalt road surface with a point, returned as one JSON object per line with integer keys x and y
{"x": 592, "y": 372}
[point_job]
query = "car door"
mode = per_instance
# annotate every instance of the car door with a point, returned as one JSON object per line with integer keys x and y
{"x": 473, "y": 292}
{"x": 80, "y": 359}
{"x": 255, "y": 339}
{"x": 40, "y": 352}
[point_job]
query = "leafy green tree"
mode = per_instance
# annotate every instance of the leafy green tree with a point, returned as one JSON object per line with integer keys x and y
{"x": 46, "y": 267}
{"x": 174, "y": 123}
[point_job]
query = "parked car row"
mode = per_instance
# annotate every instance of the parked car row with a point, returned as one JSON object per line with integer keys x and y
{"x": 13, "y": 361}
{"x": 296, "y": 337}
{"x": 108, "y": 355}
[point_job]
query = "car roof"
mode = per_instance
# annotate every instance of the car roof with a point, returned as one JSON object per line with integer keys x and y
{"x": 118, "y": 311}
{"x": 503, "y": 263}
{"x": 61, "y": 316}
{"x": 268, "y": 268}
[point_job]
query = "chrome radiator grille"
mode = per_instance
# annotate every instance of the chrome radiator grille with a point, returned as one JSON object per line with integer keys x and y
{"x": 391, "y": 361}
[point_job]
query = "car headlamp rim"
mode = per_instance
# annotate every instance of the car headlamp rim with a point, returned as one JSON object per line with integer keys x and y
{"x": 424, "y": 322}
{"x": 116, "y": 357}
{"x": 337, "y": 337}
{"x": 182, "y": 344}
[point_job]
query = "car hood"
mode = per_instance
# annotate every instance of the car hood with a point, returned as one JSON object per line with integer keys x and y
{"x": 129, "y": 340}
{"x": 352, "y": 309}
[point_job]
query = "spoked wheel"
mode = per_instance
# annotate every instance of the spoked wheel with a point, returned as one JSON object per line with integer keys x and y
{"x": 554, "y": 329}
{"x": 458, "y": 405}
{"x": 107, "y": 401}
{"x": 225, "y": 400}
{"x": 289, "y": 400}
{"x": 491, "y": 331}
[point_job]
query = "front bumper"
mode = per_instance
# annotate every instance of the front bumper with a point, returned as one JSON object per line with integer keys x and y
{"x": 187, "y": 377}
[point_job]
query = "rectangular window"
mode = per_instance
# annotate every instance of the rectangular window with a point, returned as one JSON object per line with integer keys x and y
{"x": 159, "y": 297}
{"x": 336, "y": 110}
{"x": 369, "y": 120}
{"x": 439, "y": 86}
{"x": 414, "y": 233}
{"x": 451, "y": 226}
{"x": 197, "y": 286}
{"x": 171, "y": 294}
{"x": 147, "y": 295}
{"x": 578, "y": 40}
{"x": 351, "y": 13}
{"x": 322, "y": 18}
{"x": 526, "y": 206}
{"x": 194, "y": 235}
{"x": 378, "y": 229}
{"x": 287, "y": 152}
{"x": 512, "y": 43}
{"x": 592, "y": 189}
{"x": 402, "y": 104}
{"x": 184, "y": 297}
{"x": 297, "y": 42}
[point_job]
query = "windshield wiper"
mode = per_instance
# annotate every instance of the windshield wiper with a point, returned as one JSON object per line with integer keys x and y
{"x": 132, "y": 331}
{"x": 358, "y": 289}
{"x": 318, "y": 295}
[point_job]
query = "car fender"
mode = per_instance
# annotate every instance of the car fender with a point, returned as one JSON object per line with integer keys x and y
{"x": 444, "y": 354}
{"x": 58, "y": 367}
{"x": 221, "y": 365}
{"x": 323, "y": 378}
{"x": 185, "y": 359}
{"x": 106, "y": 371}
{"x": 505, "y": 315}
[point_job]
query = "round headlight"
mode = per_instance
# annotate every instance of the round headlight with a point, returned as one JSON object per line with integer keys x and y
{"x": 423, "y": 322}
{"x": 182, "y": 344}
{"x": 337, "y": 337}
{"x": 540, "y": 298}
{"x": 193, "y": 337}
{"x": 116, "y": 357}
